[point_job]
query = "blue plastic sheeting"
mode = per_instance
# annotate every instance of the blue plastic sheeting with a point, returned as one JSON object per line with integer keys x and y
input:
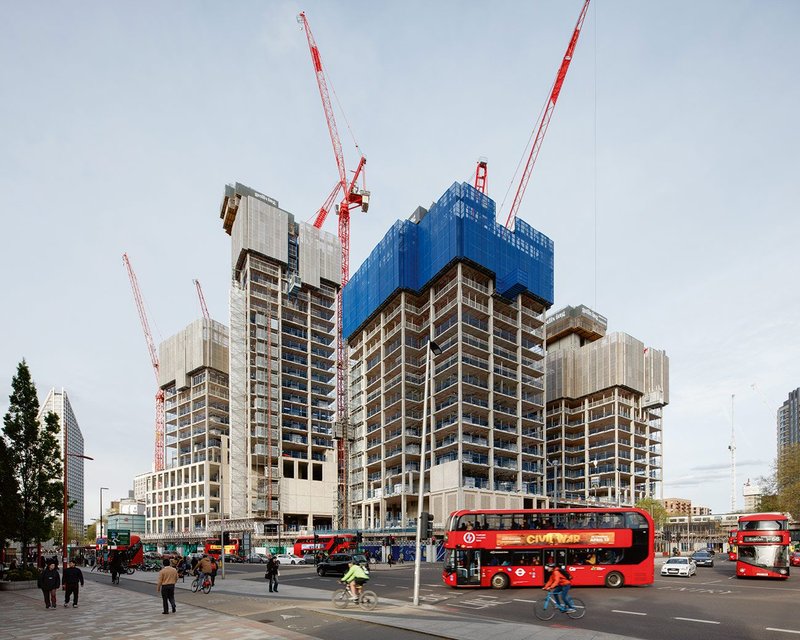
{"x": 460, "y": 226}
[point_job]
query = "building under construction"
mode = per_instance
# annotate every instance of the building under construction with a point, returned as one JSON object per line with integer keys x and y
{"x": 605, "y": 395}
{"x": 185, "y": 498}
{"x": 480, "y": 291}
{"x": 285, "y": 280}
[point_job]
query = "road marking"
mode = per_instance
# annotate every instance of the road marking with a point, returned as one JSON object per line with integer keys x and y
{"x": 528, "y": 601}
{"x": 696, "y": 620}
{"x": 631, "y": 613}
{"x": 782, "y": 630}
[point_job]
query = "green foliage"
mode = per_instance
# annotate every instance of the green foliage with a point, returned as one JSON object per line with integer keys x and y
{"x": 655, "y": 509}
{"x": 34, "y": 460}
{"x": 9, "y": 496}
{"x": 781, "y": 490}
{"x": 91, "y": 534}
{"x": 28, "y": 573}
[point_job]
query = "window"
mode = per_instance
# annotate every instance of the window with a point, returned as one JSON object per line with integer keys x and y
{"x": 316, "y": 471}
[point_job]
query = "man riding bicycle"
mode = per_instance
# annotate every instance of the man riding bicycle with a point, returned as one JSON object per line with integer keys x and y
{"x": 203, "y": 569}
{"x": 354, "y": 578}
{"x": 559, "y": 585}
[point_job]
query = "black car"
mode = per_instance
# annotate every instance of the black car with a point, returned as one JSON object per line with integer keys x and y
{"x": 703, "y": 558}
{"x": 338, "y": 563}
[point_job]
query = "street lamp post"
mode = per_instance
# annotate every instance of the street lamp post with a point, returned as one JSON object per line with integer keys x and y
{"x": 431, "y": 349}
{"x": 554, "y": 464}
{"x": 101, "y": 510}
{"x": 64, "y": 554}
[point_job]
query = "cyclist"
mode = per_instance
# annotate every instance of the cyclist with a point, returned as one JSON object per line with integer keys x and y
{"x": 559, "y": 584}
{"x": 354, "y": 578}
{"x": 202, "y": 570}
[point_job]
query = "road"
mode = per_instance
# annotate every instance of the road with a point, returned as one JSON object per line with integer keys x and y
{"x": 713, "y": 605}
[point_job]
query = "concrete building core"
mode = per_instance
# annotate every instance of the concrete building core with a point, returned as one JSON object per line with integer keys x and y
{"x": 605, "y": 395}
{"x": 455, "y": 276}
{"x": 58, "y": 402}
{"x": 285, "y": 280}
{"x": 184, "y": 498}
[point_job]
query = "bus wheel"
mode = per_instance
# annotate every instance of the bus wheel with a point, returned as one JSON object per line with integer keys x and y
{"x": 614, "y": 580}
{"x": 500, "y": 581}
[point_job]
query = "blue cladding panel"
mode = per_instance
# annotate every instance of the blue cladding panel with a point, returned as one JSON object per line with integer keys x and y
{"x": 461, "y": 225}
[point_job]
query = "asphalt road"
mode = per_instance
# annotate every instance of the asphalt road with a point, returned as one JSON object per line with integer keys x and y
{"x": 714, "y": 605}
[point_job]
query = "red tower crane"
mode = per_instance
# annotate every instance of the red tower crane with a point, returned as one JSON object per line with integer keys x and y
{"x": 546, "y": 115}
{"x": 151, "y": 347}
{"x": 200, "y": 295}
{"x": 352, "y": 197}
{"x": 482, "y": 175}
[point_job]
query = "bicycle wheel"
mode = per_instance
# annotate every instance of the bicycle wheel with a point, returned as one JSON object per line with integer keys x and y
{"x": 340, "y": 598}
{"x": 130, "y": 570}
{"x": 545, "y": 608}
{"x": 195, "y": 584}
{"x": 368, "y": 600}
{"x": 206, "y": 588}
{"x": 580, "y": 608}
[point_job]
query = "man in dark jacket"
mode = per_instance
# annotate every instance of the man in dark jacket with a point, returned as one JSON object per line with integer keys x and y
{"x": 49, "y": 582}
{"x": 73, "y": 577}
{"x": 272, "y": 572}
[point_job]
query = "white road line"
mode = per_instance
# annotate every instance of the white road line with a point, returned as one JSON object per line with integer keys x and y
{"x": 696, "y": 620}
{"x": 783, "y": 630}
{"x": 630, "y": 613}
{"x": 528, "y": 601}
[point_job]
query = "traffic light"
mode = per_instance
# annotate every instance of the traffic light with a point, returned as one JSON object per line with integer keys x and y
{"x": 426, "y": 525}
{"x": 226, "y": 538}
{"x": 316, "y": 542}
{"x": 358, "y": 537}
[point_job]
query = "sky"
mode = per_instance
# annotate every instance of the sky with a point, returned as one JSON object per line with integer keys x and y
{"x": 667, "y": 181}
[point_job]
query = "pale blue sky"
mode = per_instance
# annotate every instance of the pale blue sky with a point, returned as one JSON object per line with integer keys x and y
{"x": 121, "y": 123}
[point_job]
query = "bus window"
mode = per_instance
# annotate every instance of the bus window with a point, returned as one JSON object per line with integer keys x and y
{"x": 763, "y": 525}
{"x": 636, "y": 520}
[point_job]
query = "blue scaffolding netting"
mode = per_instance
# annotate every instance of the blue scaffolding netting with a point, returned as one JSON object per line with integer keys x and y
{"x": 461, "y": 225}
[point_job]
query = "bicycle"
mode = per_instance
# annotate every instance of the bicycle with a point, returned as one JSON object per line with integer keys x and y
{"x": 367, "y": 599}
{"x": 546, "y": 609}
{"x": 205, "y": 587}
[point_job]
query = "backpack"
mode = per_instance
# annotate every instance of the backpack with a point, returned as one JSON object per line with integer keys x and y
{"x": 566, "y": 574}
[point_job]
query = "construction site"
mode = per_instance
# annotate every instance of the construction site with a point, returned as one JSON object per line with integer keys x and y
{"x": 433, "y": 379}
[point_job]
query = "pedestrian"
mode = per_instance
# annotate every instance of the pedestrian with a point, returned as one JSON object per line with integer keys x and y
{"x": 115, "y": 565}
{"x": 73, "y": 577}
{"x": 391, "y": 558}
{"x": 49, "y": 582}
{"x": 272, "y": 572}
{"x": 167, "y": 578}
{"x": 214, "y": 568}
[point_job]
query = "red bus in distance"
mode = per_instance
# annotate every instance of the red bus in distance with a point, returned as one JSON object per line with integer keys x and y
{"x": 212, "y": 547}
{"x": 762, "y": 542}
{"x": 326, "y": 543}
{"x": 510, "y": 548}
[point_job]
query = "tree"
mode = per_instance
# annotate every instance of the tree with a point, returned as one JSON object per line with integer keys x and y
{"x": 655, "y": 509}
{"x": 35, "y": 460}
{"x": 91, "y": 534}
{"x": 781, "y": 490}
{"x": 9, "y": 496}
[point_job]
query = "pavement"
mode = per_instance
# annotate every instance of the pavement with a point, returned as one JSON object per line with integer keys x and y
{"x": 231, "y": 611}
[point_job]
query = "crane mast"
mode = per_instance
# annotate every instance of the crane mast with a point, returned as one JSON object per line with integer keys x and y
{"x": 352, "y": 197}
{"x": 544, "y": 123}
{"x": 202, "y": 298}
{"x": 482, "y": 175}
{"x": 158, "y": 458}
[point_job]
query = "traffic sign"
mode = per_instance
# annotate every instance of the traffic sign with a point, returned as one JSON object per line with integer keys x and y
{"x": 119, "y": 537}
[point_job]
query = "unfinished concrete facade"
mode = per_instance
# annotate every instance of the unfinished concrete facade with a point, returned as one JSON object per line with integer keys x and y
{"x": 454, "y": 276}
{"x": 186, "y": 497}
{"x": 285, "y": 279}
{"x": 605, "y": 395}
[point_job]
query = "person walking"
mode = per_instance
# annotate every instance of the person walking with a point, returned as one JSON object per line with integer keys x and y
{"x": 214, "y": 568}
{"x": 115, "y": 564}
{"x": 49, "y": 582}
{"x": 165, "y": 584}
{"x": 73, "y": 580}
{"x": 272, "y": 572}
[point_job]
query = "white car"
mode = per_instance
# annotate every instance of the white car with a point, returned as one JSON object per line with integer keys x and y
{"x": 288, "y": 558}
{"x": 679, "y": 567}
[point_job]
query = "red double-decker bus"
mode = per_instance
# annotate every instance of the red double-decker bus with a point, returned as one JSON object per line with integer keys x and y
{"x": 762, "y": 542}
{"x": 213, "y": 548}
{"x": 510, "y": 548}
{"x": 326, "y": 543}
